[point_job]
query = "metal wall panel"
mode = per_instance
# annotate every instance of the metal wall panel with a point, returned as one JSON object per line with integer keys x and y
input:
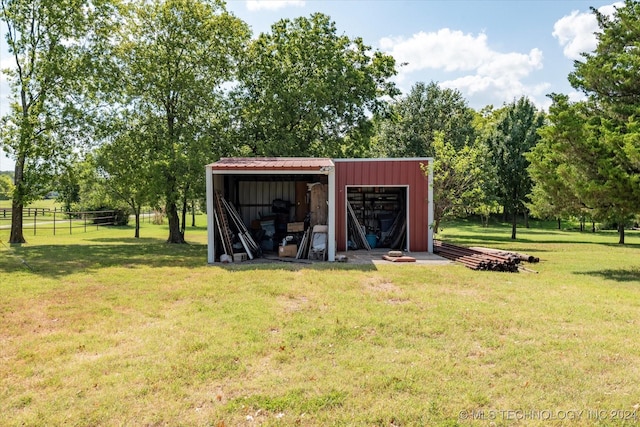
{"x": 388, "y": 172}
{"x": 252, "y": 193}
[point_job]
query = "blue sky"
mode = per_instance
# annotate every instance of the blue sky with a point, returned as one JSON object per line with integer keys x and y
{"x": 491, "y": 51}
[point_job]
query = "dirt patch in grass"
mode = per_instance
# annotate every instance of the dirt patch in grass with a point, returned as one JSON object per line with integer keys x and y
{"x": 380, "y": 284}
{"x": 292, "y": 304}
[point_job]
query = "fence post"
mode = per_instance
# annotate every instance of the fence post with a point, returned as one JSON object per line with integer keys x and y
{"x": 54, "y": 221}
{"x": 70, "y": 223}
{"x": 85, "y": 223}
{"x": 35, "y": 219}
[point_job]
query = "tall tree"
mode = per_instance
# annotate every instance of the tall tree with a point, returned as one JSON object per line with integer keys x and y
{"x": 123, "y": 164}
{"x": 175, "y": 55}
{"x": 50, "y": 42}
{"x": 435, "y": 122}
{"x": 306, "y": 90}
{"x": 411, "y": 127}
{"x": 554, "y": 174}
{"x": 609, "y": 77}
{"x": 514, "y": 135}
{"x": 584, "y": 162}
{"x": 458, "y": 178}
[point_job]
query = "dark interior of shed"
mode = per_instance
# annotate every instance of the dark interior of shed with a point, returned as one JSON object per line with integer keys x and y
{"x": 277, "y": 210}
{"x": 376, "y": 217}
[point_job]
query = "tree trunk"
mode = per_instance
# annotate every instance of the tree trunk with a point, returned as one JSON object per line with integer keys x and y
{"x": 621, "y": 233}
{"x": 593, "y": 226}
{"x": 514, "y": 223}
{"x": 504, "y": 214}
{"x": 175, "y": 236}
{"x": 559, "y": 224}
{"x": 17, "y": 203}
{"x": 184, "y": 217}
{"x": 137, "y": 214}
{"x": 175, "y": 233}
{"x": 193, "y": 213}
{"x": 526, "y": 218}
{"x": 436, "y": 226}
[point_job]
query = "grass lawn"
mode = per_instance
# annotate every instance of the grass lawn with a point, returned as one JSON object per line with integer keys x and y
{"x": 104, "y": 329}
{"x": 48, "y": 203}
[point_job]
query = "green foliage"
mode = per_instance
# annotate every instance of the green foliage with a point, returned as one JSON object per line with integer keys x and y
{"x": 6, "y": 187}
{"x": 174, "y": 56}
{"x": 514, "y": 135}
{"x": 304, "y": 90}
{"x": 609, "y": 75}
{"x": 458, "y": 179}
{"x": 437, "y": 123}
{"x": 587, "y": 163}
{"x": 411, "y": 127}
{"x": 591, "y": 151}
{"x": 50, "y": 44}
{"x": 124, "y": 164}
{"x": 555, "y": 173}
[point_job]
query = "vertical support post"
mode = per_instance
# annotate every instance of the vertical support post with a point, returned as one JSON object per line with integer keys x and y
{"x": 211, "y": 241}
{"x": 54, "y": 220}
{"x": 430, "y": 208}
{"x": 35, "y": 218}
{"x": 331, "y": 219}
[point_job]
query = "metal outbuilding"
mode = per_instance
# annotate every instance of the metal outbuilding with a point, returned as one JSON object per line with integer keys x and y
{"x": 391, "y": 198}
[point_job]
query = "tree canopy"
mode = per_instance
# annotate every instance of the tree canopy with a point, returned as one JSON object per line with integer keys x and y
{"x": 591, "y": 149}
{"x": 514, "y": 135}
{"x": 164, "y": 87}
{"x": 51, "y": 45}
{"x": 584, "y": 162}
{"x": 414, "y": 121}
{"x": 174, "y": 56}
{"x": 609, "y": 75}
{"x": 305, "y": 90}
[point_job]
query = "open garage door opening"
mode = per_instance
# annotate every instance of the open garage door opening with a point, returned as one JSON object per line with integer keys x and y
{"x": 376, "y": 217}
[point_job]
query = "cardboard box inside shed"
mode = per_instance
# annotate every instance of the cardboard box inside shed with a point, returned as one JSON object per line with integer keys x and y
{"x": 288, "y": 251}
{"x": 294, "y": 227}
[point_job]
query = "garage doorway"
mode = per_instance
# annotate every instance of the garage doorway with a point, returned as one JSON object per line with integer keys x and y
{"x": 377, "y": 215}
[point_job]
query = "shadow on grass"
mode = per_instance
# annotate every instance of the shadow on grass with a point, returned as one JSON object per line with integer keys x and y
{"x": 107, "y": 252}
{"x": 61, "y": 260}
{"x": 539, "y": 237}
{"x": 618, "y": 275}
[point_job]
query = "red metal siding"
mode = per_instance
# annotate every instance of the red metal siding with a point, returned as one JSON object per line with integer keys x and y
{"x": 388, "y": 172}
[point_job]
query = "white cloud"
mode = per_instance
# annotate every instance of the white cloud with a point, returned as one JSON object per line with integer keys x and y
{"x": 576, "y": 32}
{"x": 255, "y": 5}
{"x": 446, "y": 49}
{"x": 476, "y": 68}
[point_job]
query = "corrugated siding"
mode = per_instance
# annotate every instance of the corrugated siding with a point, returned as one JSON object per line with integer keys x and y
{"x": 271, "y": 163}
{"x": 386, "y": 173}
{"x": 263, "y": 193}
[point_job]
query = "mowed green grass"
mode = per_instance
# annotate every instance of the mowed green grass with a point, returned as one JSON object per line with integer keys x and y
{"x": 104, "y": 329}
{"x": 48, "y": 203}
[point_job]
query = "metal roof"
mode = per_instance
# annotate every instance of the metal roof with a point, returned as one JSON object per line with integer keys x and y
{"x": 272, "y": 163}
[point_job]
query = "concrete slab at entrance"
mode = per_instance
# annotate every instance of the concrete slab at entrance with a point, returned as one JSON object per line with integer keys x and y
{"x": 375, "y": 257}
